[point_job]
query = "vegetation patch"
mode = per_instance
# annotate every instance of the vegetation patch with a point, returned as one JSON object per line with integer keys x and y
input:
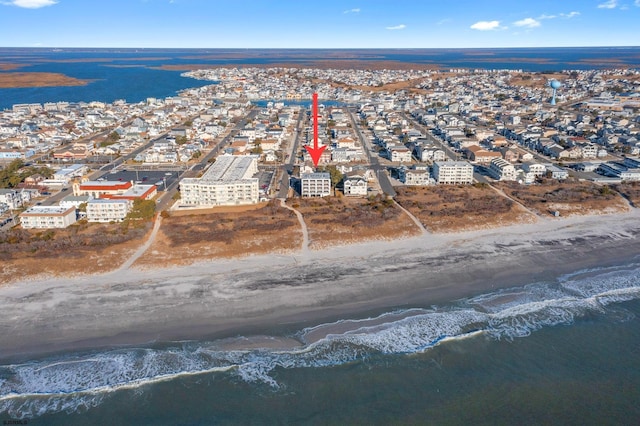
{"x": 342, "y": 220}
{"x": 566, "y": 198}
{"x": 445, "y": 208}
{"x": 185, "y": 239}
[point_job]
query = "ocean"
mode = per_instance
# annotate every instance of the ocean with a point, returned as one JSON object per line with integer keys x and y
{"x": 557, "y": 352}
{"x": 136, "y": 74}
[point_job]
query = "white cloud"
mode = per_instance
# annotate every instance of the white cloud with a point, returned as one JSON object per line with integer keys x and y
{"x": 609, "y": 4}
{"x": 30, "y": 4}
{"x": 397, "y": 27}
{"x": 571, "y": 14}
{"x": 356, "y": 10}
{"x": 527, "y": 23}
{"x": 447, "y": 20}
{"x": 486, "y": 25}
{"x": 637, "y": 3}
{"x": 543, "y": 17}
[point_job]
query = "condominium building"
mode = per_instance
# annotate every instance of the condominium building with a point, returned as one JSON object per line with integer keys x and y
{"x": 315, "y": 185}
{"x": 105, "y": 210}
{"x": 229, "y": 181}
{"x": 453, "y": 172}
{"x": 47, "y": 217}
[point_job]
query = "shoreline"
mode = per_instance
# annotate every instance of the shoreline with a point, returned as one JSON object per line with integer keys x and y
{"x": 279, "y": 295}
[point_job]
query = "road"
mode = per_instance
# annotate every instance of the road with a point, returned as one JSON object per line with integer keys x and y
{"x": 287, "y": 168}
{"x": 374, "y": 161}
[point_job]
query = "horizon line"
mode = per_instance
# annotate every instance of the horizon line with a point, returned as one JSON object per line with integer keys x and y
{"x": 324, "y": 48}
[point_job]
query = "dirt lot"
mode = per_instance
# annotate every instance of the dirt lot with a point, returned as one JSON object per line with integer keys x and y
{"x": 187, "y": 238}
{"x": 568, "y": 198}
{"x": 81, "y": 248}
{"x": 446, "y": 208}
{"x": 343, "y": 220}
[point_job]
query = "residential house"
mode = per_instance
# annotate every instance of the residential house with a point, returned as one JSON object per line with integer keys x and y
{"x": 502, "y": 170}
{"x": 354, "y": 186}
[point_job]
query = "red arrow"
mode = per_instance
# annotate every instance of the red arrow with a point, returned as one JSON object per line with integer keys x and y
{"x": 316, "y": 151}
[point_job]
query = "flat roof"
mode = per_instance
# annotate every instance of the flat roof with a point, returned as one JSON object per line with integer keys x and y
{"x": 322, "y": 175}
{"x": 47, "y": 211}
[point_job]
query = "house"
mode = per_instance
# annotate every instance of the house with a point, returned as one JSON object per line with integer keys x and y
{"x": 416, "y": 177}
{"x": 11, "y": 198}
{"x": 355, "y": 186}
{"x": 315, "y": 185}
{"x": 555, "y": 172}
{"x": 479, "y": 155}
{"x": 105, "y": 211}
{"x": 501, "y": 169}
{"x": 453, "y": 172}
{"x": 400, "y": 154}
{"x": 74, "y": 201}
{"x": 48, "y": 217}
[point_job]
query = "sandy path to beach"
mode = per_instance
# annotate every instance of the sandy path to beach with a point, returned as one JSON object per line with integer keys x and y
{"x": 254, "y": 295}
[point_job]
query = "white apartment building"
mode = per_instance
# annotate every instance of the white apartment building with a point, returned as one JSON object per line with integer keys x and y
{"x": 501, "y": 169}
{"x": 105, "y": 210}
{"x": 316, "y": 185}
{"x": 229, "y": 181}
{"x": 453, "y": 172}
{"x": 47, "y": 217}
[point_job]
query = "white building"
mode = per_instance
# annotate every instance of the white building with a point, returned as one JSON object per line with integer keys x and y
{"x": 229, "y": 181}
{"x": 501, "y": 169}
{"x": 400, "y": 154}
{"x": 105, "y": 210}
{"x": 413, "y": 177}
{"x": 11, "y": 198}
{"x": 355, "y": 186}
{"x": 316, "y": 185}
{"x": 47, "y": 217}
{"x": 453, "y": 172}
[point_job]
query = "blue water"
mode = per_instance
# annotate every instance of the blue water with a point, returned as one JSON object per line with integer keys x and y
{"x": 132, "y": 74}
{"x": 561, "y": 352}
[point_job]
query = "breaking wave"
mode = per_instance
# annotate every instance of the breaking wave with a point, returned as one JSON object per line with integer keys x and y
{"x": 79, "y": 382}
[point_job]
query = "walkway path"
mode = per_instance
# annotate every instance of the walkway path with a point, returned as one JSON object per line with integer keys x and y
{"x": 143, "y": 248}
{"x": 303, "y": 226}
{"x": 413, "y": 218}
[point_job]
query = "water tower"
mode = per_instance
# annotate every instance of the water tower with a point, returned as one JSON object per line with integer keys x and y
{"x": 555, "y": 85}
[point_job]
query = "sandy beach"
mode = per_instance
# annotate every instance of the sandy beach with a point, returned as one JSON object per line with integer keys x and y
{"x": 260, "y": 295}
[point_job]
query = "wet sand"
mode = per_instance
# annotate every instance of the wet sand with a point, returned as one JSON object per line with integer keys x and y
{"x": 278, "y": 295}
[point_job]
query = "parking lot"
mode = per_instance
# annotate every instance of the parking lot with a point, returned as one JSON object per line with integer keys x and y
{"x": 145, "y": 177}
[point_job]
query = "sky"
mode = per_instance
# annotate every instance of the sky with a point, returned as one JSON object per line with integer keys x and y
{"x": 319, "y": 24}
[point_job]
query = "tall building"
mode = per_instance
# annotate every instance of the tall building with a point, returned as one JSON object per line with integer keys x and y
{"x": 315, "y": 184}
{"x": 228, "y": 182}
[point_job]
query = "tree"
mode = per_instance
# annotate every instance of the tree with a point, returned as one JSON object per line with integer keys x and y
{"x": 181, "y": 140}
{"x": 113, "y": 137}
{"x": 336, "y": 175}
{"x": 142, "y": 209}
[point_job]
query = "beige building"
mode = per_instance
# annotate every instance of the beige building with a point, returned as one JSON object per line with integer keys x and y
{"x": 48, "y": 217}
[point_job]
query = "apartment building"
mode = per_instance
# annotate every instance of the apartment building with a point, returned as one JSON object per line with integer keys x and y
{"x": 453, "y": 172}
{"x": 229, "y": 181}
{"x": 315, "y": 185}
{"x": 105, "y": 210}
{"x": 47, "y": 217}
{"x": 501, "y": 169}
